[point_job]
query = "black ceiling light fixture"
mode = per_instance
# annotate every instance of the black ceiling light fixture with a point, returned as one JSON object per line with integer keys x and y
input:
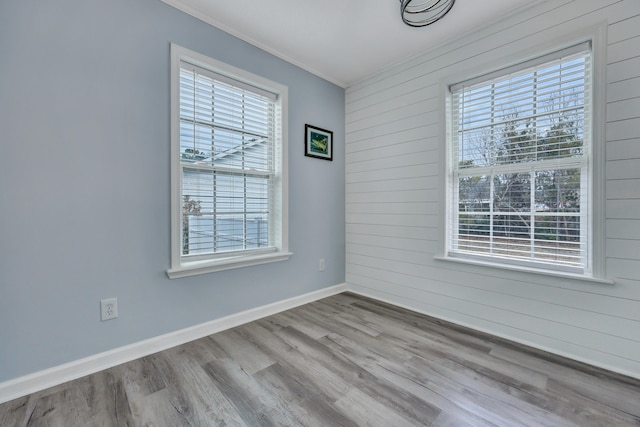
{"x": 420, "y": 13}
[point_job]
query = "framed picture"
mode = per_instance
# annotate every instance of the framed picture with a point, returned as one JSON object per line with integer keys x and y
{"x": 318, "y": 142}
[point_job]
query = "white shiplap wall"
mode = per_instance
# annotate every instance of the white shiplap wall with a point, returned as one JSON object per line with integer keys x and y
{"x": 395, "y": 197}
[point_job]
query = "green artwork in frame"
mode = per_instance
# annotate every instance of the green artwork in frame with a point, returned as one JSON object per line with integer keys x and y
{"x": 318, "y": 142}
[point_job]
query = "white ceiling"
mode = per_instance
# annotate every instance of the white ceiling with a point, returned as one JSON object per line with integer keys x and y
{"x": 342, "y": 41}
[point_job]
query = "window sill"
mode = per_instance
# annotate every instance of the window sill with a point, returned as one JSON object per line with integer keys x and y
{"x": 210, "y": 266}
{"x": 522, "y": 269}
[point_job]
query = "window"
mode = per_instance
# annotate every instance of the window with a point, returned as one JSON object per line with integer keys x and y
{"x": 520, "y": 169}
{"x": 228, "y": 167}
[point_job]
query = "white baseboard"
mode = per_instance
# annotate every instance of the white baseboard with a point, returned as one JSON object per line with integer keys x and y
{"x": 41, "y": 380}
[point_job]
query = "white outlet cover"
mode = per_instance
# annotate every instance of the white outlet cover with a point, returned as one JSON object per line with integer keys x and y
{"x": 108, "y": 309}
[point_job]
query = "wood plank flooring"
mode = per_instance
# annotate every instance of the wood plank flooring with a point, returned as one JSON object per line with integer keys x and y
{"x": 342, "y": 361}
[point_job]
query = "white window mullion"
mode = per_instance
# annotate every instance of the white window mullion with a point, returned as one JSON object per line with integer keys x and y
{"x": 491, "y": 212}
{"x": 532, "y": 213}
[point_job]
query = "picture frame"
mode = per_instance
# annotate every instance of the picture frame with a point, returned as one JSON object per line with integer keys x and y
{"x": 318, "y": 142}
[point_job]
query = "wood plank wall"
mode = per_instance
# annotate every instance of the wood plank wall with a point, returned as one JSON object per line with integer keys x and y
{"x": 395, "y": 180}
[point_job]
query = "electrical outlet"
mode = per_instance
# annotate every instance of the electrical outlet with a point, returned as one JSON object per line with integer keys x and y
{"x": 108, "y": 309}
{"x": 321, "y": 264}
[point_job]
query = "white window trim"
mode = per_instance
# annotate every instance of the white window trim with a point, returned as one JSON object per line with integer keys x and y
{"x": 597, "y": 36}
{"x": 180, "y": 267}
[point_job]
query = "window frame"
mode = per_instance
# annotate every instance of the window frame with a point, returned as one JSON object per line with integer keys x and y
{"x": 181, "y": 265}
{"x": 595, "y": 35}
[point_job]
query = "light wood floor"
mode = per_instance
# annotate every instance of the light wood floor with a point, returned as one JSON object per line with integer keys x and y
{"x": 342, "y": 361}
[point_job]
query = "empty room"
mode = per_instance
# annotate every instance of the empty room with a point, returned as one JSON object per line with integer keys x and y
{"x": 320, "y": 213}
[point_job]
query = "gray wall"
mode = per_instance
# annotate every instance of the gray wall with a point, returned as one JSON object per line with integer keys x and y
{"x": 84, "y": 181}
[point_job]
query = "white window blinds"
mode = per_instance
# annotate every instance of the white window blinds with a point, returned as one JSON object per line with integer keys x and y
{"x": 520, "y": 164}
{"x": 227, "y": 132}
